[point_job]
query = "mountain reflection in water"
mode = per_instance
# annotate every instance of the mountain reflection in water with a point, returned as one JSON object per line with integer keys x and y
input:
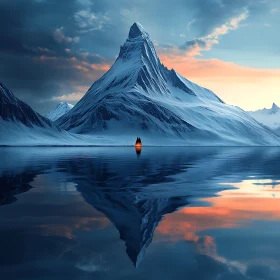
{"x": 169, "y": 196}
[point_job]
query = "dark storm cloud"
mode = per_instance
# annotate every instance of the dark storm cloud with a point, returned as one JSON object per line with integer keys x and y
{"x": 39, "y": 56}
{"x": 48, "y": 48}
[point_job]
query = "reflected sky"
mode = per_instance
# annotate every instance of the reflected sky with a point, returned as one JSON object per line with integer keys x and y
{"x": 107, "y": 213}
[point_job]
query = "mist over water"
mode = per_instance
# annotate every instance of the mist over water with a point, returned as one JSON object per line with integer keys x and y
{"x": 121, "y": 213}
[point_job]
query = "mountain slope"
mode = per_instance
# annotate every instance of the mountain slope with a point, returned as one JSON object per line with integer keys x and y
{"x": 269, "y": 117}
{"x": 61, "y": 109}
{"x": 13, "y": 109}
{"x": 138, "y": 96}
{"x": 21, "y": 125}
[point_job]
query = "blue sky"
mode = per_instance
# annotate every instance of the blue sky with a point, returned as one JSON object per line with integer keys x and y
{"x": 54, "y": 50}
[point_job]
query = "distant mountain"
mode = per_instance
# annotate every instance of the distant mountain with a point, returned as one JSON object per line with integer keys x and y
{"x": 21, "y": 125}
{"x": 138, "y": 96}
{"x": 14, "y": 110}
{"x": 61, "y": 109}
{"x": 268, "y": 117}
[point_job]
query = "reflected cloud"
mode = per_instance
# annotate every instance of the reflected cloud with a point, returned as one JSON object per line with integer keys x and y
{"x": 251, "y": 200}
{"x": 229, "y": 209}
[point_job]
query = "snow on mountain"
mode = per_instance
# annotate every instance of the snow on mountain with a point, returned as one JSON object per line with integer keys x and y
{"x": 15, "y": 110}
{"x": 61, "y": 109}
{"x": 268, "y": 117}
{"x": 138, "y": 96}
{"x": 21, "y": 125}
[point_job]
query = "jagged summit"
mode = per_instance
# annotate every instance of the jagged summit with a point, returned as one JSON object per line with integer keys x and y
{"x": 137, "y": 30}
{"x": 61, "y": 109}
{"x": 138, "y": 95}
{"x": 138, "y": 49}
{"x": 274, "y": 108}
{"x": 270, "y": 117}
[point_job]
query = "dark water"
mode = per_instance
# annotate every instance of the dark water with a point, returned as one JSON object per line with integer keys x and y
{"x": 162, "y": 213}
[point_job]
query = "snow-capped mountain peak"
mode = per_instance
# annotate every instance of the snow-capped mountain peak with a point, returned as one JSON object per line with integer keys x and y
{"x": 138, "y": 48}
{"x": 268, "y": 117}
{"x": 274, "y": 109}
{"x": 61, "y": 109}
{"x": 137, "y": 30}
{"x": 139, "y": 96}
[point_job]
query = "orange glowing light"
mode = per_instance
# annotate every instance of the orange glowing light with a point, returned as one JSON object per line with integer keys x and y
{"x": 138, "y": 142}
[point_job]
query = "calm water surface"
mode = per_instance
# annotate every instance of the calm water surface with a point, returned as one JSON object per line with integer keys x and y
{"x": 162, "y": 213}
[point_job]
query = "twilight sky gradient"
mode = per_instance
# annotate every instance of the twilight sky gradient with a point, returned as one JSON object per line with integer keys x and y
{"x": 54, "y": 50}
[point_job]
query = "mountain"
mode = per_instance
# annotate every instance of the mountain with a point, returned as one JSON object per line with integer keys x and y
{"x": 61, "y": 109}
{"x": 268, "y": 117}
{"x": 139, "y": 96}
{"x": 21, "y": 125}
{"x": 14, "y": 110}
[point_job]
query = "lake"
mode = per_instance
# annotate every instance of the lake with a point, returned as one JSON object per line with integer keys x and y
{"x": 156, "y": 213}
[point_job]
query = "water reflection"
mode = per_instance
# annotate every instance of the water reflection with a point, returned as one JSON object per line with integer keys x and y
{"x": 15, "y": 184}
{"x": 138, "y": 150}
{"x": 135, "y": 194}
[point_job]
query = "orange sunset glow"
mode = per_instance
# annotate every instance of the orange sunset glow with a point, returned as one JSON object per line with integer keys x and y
{"x": 231, "y": 209}
{"x": 247, "y": 84}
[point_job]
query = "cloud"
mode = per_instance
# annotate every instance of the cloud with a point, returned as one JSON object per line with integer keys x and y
{"x": 32, "y": 38}
{"x": 231, "y": 208}
{"x": 35, "y": 37}
{"x": 267, "y": 25}
{"x": 233, "y": 83}
{"x": 86, "y": 3}
{"x": 87, "y": 20}
{"x": 215, "y": 69}
{"x": 37, "y": 49}
{"x": 92, "y": 264}
{"x": 274, "y": 11}
{"x": 210, "y": 14}
{"x": 74, "y": 96}
{"x": 60, "y": 37}
{"x": 75, "y": 63}
{"x": 190, "y": 23}
{"x": 196, "y": 46}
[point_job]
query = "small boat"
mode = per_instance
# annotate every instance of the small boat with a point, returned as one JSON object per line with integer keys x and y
{"x": 138, "y": 142}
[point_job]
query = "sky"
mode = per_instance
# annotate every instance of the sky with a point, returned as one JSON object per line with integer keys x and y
{"x": 52, "y": 51}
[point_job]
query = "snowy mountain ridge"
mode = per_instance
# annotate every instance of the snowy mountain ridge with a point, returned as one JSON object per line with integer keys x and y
{"x": 61, "y": 109}
{"x": 20, "y": 125}
{"x": 139, "y": 96}
{"x": 13, "y": 109}
{"x": 268, "y": 117}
